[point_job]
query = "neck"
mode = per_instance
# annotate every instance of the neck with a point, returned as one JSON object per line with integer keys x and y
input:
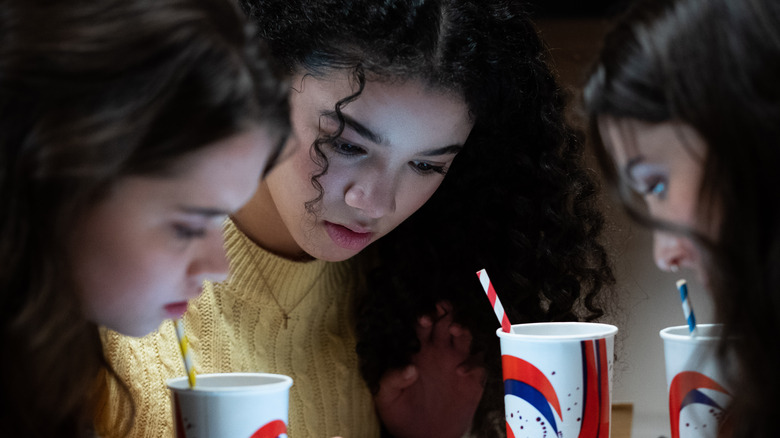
{"x": 260, "y": 220}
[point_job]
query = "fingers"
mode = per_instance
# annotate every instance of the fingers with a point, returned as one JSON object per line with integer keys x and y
{"x": 441, "y": 330}
{"x": 460, "y": 338}
{"x": 427, "y": 325}
{"x": 475, "y": 372}
{"x": 443, "y": 309}
{"x": 393, "y": 382}
{"x": 424, "y": 329}
{"x": 393, "y": 385}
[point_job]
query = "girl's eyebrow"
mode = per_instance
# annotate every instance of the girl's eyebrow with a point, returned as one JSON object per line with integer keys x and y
{"x": 373, "y": 137}
{"x": 452, "y": 149}
{"x": 358, "y": 127}
{"x": 206, "y": 212}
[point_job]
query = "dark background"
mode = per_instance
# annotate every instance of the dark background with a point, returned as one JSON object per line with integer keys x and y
{"x": 575, "y": 8}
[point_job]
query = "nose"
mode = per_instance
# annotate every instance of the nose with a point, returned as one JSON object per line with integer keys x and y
{"x": 373, "y": 195}
{"x": 210, "y": 262}
{"x": 671, "y": 251}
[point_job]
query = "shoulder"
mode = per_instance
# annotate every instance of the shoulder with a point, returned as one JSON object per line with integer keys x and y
{"x": 127, "y": 354}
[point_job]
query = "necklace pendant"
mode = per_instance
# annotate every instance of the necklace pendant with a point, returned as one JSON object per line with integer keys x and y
{"x": 285, "y": 313}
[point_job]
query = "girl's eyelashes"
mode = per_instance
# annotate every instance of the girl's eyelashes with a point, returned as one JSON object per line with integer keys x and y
{"x": 656, "y": 187}
{"x": 349, "y": 149}
{"x": 346, "y": 148}
{"x": 186, "y": 232}
{"x": 649, "y": 179}
{"x": 425, "y": 168}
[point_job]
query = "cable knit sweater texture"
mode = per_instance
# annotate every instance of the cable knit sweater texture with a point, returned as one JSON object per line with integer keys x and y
{"x": 237, "y": 326}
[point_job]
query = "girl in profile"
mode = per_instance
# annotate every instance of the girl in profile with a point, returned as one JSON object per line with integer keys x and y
{"x": 685, "y": 105}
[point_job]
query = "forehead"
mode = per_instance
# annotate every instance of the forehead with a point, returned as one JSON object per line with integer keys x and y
{"x": 399, "y": 111}
{"x": 222, "y": 174}
{"x": 626, "y": 139}
{"x": 619, "y": 138}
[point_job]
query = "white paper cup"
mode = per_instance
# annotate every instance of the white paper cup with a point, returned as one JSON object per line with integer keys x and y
{"x": 558, "y": 379}
{"x": 241, "y": 405}
{"x": 697, "y": 388}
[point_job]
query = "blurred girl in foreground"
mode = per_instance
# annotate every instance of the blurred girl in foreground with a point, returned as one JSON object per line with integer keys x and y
{"x": 130, "y": 130}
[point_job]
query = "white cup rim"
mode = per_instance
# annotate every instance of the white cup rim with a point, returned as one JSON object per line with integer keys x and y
{"x": 681, "y": 333}
{"x": 266, "y": 382}
{"x": 594, "y": 330}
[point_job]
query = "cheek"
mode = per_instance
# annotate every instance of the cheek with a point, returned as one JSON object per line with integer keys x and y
{"x": 342, "y": 173}
{"x": 109, "y": 285}
{"x": 127, "y": 267}
{"x": 661, "y": 210}
{"x": 290, "y": 181}
{"x": 678, "y": 207}
{"x": 298, "y": 170}
{"x": 131, "y": 272}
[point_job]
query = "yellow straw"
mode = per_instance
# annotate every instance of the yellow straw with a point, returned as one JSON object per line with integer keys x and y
{"x": 184, "y": 343}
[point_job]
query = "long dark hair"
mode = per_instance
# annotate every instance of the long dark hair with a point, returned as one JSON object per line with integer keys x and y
{"x": 713, "y": 65}
{"x": 91, "y": 92}
{"x": 516, "y": 201}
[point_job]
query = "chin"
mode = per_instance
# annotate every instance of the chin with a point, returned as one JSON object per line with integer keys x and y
{"x": 333, "y": 257}
{"x": 334, "y": 254}
{"x": 136, "y": 330}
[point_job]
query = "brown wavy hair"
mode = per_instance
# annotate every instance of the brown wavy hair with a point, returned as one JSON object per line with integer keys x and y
{"x": 90, "y": 93}
{"x": 714, "y": 65}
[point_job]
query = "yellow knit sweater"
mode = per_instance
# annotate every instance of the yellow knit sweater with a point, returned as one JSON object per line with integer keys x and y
{"x": 238, "y": 326}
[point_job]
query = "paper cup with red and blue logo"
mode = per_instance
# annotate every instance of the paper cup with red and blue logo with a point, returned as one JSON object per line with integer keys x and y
{"x": 236, "y": 405}
{"x": 698, "y": 391}
{"x": 558, "y": 379}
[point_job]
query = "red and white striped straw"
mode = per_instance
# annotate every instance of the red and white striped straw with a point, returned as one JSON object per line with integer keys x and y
{"x": 506, "y": 326}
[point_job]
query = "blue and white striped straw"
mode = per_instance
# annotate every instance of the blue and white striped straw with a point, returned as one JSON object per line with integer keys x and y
{"x": 682, "y": 286}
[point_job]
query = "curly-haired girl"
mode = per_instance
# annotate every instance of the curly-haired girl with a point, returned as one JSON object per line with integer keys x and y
{"x": 437, "y": 119}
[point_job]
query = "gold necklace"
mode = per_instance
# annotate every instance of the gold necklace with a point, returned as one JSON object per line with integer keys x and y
{"x": 286, "y": 313}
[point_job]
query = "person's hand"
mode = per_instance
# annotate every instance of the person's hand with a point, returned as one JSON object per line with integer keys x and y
{"x": 437, "y": 395}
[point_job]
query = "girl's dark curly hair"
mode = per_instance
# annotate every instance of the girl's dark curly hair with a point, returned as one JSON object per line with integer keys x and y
{"x": 516, "y": 201}
{"x": 91, "y": 93}
{"x": 714, "y": 65}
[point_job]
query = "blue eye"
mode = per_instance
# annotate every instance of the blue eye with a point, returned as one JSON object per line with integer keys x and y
{"x": 657, "y": 188}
